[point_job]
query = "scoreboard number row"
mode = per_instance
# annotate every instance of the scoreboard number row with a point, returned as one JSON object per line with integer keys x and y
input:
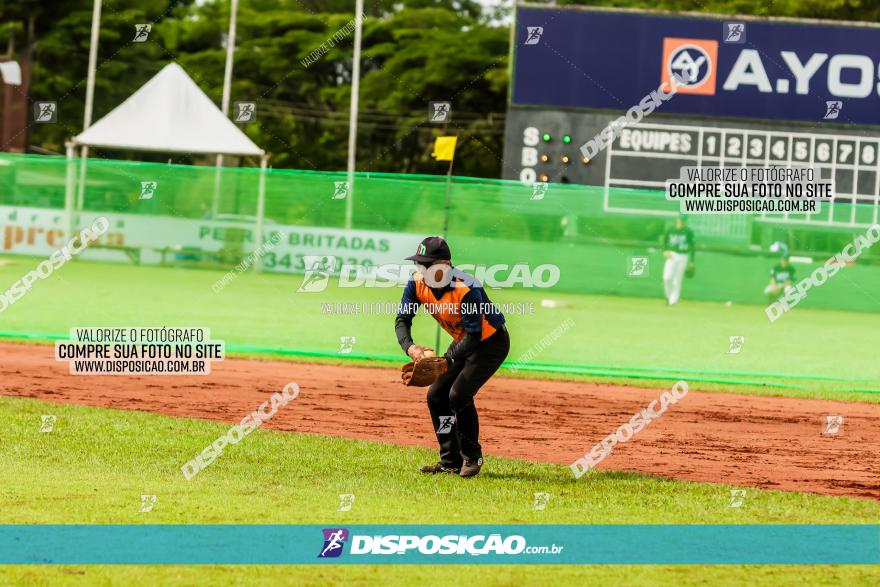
{"x": 782, "y": 148}
{"x": 740, "y": 145}
{"x": 649, "y": 154}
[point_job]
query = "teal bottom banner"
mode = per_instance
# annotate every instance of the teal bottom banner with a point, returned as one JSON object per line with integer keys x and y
{"x": 440, "y": 544}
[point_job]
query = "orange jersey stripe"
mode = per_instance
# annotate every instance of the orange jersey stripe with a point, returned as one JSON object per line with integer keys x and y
{"x": 447, "y": 310}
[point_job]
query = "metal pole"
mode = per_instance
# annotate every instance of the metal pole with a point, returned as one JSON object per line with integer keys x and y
{"x": 446, "y": 207}
{"x": 69, "y": 187}
{"x": 227, "y": 93}
{"x": 81, "y": 179}
{"x": 353, "y": 114}
{"x": 230, "y": 50}
{"x": 90, "y": 102}
{"x": 93, "y": 64}
{"x": 445, "y": 230}
{"x": 261, "y": 210}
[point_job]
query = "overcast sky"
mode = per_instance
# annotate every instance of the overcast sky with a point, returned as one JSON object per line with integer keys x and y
{"x": 497, "y": 3}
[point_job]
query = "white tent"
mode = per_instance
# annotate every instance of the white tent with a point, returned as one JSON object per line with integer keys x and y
{"x": 169, "y": 113}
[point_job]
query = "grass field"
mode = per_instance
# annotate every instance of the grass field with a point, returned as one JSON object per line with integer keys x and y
{"x": 96, "y": 463}
{"x": 810, "y": 353}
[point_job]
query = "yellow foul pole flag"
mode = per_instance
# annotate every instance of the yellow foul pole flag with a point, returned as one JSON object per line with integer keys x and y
{"x": 444, "y": 148}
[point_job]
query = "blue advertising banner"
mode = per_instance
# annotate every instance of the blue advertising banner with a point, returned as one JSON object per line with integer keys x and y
{"x": 759, "y": 69}
{"x": 439, "y": 544}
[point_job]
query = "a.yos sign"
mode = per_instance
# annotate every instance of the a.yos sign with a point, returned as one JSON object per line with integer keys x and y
{"x": 783, "y": 70}
{"x": 693, "y": 61}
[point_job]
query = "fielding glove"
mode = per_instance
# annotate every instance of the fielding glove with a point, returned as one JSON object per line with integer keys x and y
{"x": 423, "y": 372}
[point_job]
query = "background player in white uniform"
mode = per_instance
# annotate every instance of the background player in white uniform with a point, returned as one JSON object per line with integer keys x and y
{"x": 678, "y": 248}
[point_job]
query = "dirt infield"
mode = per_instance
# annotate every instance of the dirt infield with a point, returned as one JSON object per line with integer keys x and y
{"x": 774, "y": 443}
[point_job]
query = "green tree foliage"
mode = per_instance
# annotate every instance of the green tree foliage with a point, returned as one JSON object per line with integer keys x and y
{"x": 414, "y": 52}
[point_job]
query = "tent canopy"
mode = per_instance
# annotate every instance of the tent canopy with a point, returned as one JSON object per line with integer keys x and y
{"x": 169, "y": 113}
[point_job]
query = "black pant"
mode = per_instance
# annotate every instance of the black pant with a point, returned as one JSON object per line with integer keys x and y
{"x": 451, "y": 400}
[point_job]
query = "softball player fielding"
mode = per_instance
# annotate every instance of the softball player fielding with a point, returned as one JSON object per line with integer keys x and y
{"x": 480, "y": 344}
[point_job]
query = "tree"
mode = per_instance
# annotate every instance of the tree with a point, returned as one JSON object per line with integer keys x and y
{"x": 294, "y": 58}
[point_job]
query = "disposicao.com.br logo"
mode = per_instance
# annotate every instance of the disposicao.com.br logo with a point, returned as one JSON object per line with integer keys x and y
{"x": 335, "y": 540}
{"x": 318, "y": 270}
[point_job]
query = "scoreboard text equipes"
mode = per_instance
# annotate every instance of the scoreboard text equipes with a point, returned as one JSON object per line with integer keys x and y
{"x": 645, "y": 155}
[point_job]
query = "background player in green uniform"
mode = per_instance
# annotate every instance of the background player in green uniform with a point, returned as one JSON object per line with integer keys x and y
{"x": 781, "y": 279}
{"x": 678, "y": 248}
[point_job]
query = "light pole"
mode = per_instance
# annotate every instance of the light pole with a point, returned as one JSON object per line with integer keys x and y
{"x": 224, "y": 102}
{"x": 353, "y": 114}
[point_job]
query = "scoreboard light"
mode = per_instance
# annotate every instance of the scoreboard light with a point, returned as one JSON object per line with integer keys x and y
{"x": 566, "y": 139}
{"x": 545, "y": 157}
{"x": 585, "y": 160}
{"x": 546, "y": 136}
{"x": 545, "y": 178}
{"x": 565, "y": 159}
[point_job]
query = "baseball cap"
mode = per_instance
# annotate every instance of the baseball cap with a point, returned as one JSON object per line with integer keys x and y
{"x": 431, "y": 249}
{"x": 781, "y": 248}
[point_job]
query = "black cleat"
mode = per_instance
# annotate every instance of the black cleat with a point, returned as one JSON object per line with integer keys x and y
{"x": 439, "y": 468}
{"x": 471, "y": 468}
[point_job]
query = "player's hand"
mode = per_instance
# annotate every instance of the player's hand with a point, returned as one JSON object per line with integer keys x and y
{"x": 667, "y": 254}
{"x": 417, "y": 352}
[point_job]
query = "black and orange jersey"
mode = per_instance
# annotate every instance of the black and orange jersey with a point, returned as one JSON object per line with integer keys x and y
{"x": 461, "y": 307}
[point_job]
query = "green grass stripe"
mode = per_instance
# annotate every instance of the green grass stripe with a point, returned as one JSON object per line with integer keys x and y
{"x": 859, "y": 390}
{"x": 572, "y": 369}
{"x": 693, "y": 375}
{"x": 557, "y": 366}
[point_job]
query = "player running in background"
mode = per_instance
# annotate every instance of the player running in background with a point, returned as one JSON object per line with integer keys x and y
{"x": 678, "y": 248}
{"x": 781, "y": 279}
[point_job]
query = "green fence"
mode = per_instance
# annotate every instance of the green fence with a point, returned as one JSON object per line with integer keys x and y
{"x": 629, "y": 332}
{"x": 489, "y": 222}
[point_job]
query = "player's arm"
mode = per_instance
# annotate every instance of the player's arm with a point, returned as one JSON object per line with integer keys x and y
{"x": 692, "y": 249}
{"x": 473, "y": 327}
{"x": 409, "y": 304}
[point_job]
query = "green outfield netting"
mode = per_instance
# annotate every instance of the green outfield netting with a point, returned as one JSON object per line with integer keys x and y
{"x": 489, "y": 222}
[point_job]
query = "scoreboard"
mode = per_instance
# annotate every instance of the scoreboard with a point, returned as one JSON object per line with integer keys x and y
{"x": 647, "y": 154}
{"x": 791, "y": 94}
